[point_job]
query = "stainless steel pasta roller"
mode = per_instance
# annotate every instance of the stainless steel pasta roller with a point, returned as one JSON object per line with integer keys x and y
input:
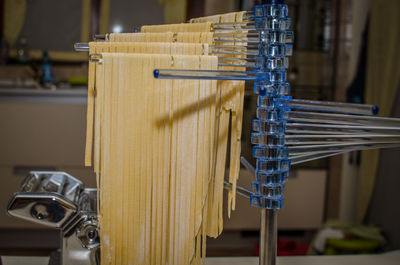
{"x": 58, "y": 200}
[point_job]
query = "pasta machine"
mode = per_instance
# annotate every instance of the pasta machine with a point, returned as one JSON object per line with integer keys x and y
{"x": 58, "y": 200}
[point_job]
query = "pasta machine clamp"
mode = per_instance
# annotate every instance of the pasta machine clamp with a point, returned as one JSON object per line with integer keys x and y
{"x": 58, "y": 200}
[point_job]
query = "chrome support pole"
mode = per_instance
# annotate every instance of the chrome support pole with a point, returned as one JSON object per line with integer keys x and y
{"x": 268, "y": 237}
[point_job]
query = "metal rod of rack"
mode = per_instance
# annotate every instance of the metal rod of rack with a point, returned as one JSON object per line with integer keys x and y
{"x": 268, "y": 237}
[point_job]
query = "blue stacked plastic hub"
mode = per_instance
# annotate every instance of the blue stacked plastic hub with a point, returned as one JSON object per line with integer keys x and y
{"x": 273, "y": 164}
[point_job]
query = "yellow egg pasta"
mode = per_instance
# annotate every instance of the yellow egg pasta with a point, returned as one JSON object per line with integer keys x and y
{"x": 155, "y": 143}
{"x": 160, "y": 146}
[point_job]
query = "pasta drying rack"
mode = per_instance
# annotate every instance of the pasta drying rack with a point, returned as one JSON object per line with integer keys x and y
{"x": 287, "y": 131}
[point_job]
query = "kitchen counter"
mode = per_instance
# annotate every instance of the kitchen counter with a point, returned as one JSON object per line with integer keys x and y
{"x": 75, "y": 96}
{"x": 390, "y": 258}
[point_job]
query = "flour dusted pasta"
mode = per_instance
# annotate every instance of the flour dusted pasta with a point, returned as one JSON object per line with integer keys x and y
{"x": 159, "y": 146}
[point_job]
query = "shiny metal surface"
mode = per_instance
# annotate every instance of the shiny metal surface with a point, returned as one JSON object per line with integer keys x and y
{"x": 73, "y": 252}
{"x": 59, "y": 200}
{"x": 239, "y": 189}
{"x": 82, "y": 245}
{"x": 88, "y": 201}
{"x": 242, "y": 191}
{"x": 247, "y": 165}
{"x": 268, "y": 237}
{"x": 88, "y": 233}
{"x": 48, "y": 209}
{"x": 53, "y": 181}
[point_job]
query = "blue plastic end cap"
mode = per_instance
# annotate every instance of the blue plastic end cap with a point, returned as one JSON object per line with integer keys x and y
{"x": 375, "y": 110}
{"x": 274, "y": 2}
{"x": 156, "y": 73}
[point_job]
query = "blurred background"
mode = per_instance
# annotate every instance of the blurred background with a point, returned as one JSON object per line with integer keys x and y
{"x": 344, "y": 50}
